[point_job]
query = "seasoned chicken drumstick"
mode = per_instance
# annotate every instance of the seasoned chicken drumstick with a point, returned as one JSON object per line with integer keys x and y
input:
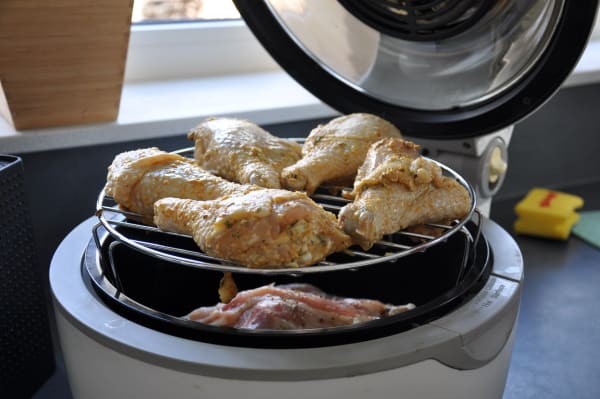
{"x": 396, "y": 188}
{"x": 136, "y": 179}
{"x": 267, "y": 228}
{"x": 333, "y": 152}
{"x": 241, "y": 151}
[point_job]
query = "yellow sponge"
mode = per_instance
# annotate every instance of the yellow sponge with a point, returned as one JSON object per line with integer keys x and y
{"x": 547, "y": 213}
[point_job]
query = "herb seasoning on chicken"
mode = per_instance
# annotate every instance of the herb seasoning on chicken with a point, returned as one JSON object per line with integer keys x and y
{"x": 396, "y": 188}
{"x": 136, "y": 179}
{"x": 333, "y": 152}
{"x": 267, "y": 228}
{"x": 240, "y": 151}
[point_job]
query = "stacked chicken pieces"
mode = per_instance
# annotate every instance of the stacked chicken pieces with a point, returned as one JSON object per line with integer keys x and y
{"x": 245, "y": 196}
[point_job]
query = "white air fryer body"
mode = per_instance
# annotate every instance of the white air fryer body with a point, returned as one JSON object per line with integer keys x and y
{"x": 465, "y": 353}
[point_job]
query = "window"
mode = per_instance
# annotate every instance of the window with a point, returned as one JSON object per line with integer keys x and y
{"x": 181, "y": 39}
{"x": 183, "y": 10}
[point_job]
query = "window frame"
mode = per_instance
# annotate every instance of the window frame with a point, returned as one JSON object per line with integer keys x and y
{"x": 185, "y": 50}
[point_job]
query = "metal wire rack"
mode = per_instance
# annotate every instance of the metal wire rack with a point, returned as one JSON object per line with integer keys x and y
{"x": 180, "y": 249}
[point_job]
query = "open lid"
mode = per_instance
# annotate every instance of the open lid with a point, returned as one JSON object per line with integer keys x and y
{"x": 436, "y": 68}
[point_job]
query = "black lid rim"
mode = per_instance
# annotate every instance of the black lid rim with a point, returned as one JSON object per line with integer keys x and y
{"x": 506, "y": 108}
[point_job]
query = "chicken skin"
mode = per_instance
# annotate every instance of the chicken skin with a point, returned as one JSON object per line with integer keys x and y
{"x": 240, "y": 151}
{"x": 136, "y": 179}
{"x": 292, "y": 307}
{"x": 396, "y": 188}
{"x": 333, "y": 152}
{"x": 268, "y": 228}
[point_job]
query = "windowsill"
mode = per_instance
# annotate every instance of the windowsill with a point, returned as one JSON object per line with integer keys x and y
{"x": 169, "y": 108}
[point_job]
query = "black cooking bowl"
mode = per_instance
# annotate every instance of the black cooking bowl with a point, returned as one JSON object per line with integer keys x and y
{"x": 157, "y": 293}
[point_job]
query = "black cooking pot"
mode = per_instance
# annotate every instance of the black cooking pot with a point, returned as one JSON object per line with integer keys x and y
{"x": 158, "y": 293}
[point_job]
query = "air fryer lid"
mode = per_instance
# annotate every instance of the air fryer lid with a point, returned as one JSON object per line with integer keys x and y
{"x": 438, "y": 69}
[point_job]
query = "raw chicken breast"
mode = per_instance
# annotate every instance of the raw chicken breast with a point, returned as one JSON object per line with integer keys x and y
{"x": 292, "y": 307}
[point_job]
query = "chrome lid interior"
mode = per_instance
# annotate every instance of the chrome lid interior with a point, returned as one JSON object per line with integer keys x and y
{"x": 461, "y": 70}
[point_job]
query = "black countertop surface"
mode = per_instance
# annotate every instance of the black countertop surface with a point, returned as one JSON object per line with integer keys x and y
{"x": 558, "y": 331}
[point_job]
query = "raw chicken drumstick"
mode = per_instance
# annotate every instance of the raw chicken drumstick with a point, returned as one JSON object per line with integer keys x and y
{"x": 396, "y": 188}
{"x": 136, "y": 179}
{"x": 268, "y": 228}
{"x": 333, "y": 152}
{"x": 240, "y": 151}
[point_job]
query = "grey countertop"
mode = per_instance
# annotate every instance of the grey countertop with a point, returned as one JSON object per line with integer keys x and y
{"x": 558, "y": 332}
